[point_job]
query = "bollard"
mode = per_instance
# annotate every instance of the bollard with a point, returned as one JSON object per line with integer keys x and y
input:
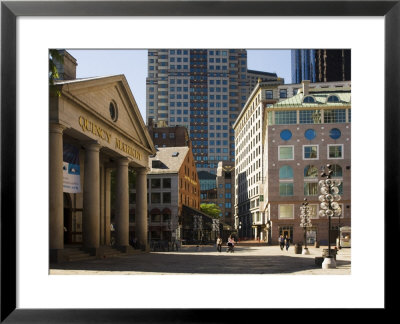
{"x": 298, "y": 248}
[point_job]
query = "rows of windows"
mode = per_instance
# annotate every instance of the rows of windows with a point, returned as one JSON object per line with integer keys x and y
{"x": 164, "y": 135}
{"x": 156, "y": 183}
{"x": 287, "y": 211}
{"x": 178, "y": 120}
{"x": 310, "y": 189}
{"x": 156, "y": 198}
{"x": 212, "y": 158}
{"x": 326, "y": 116}
{"x": 286, "y": 185}
{"x": 311, "y": 152}
{"x": 212, "y": 165}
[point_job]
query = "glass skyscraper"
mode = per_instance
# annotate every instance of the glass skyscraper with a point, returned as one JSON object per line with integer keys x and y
{"x": 321, "y": 65}
{"x": 303, "y": 65}
{"x": 203, "y": 90}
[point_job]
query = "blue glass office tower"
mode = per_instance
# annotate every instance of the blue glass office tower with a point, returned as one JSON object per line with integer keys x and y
{"x": 303, "y": 65}
{"x": 321, "y": 65}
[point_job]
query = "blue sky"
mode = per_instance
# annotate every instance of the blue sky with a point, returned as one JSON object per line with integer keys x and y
{"x": 133, "y": 64}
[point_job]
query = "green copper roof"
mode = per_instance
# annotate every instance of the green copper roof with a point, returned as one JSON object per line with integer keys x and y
{"x": 320, "y": 98}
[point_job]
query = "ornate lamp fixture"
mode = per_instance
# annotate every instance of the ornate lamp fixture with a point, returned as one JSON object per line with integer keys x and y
{"x": 305, "y": 222}
{"x": 329, "y": 207}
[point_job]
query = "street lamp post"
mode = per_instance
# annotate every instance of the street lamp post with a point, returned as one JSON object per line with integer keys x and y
{"x": 195, "y": 224}
{"x": 305, "y": 222}
{"x": 215, "y": 225}
{"x": 339, "y": 247}
{"x": 329, "y": 207}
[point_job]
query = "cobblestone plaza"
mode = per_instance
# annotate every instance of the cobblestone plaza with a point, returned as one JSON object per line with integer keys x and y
{"x": 205, "y": 260}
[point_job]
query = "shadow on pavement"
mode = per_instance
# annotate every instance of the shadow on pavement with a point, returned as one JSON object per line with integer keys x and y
{"x": 185, "y": 263}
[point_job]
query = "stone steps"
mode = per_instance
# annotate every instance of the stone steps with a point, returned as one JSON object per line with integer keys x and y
{"x": 110, "y": 252}
{"x": 76, "y": 254}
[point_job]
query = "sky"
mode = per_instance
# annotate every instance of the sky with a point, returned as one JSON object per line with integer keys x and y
{"x": 133, "y": 64}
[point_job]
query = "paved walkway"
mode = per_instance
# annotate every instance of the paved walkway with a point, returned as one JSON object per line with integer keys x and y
{"x": 206, "y": 260}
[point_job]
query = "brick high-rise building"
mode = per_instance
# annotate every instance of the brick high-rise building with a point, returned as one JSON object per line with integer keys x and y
{"x": 280, "y": 148}
{"x": 168, "y": 136}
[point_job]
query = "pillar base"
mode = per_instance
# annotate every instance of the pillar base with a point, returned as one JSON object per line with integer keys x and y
{"x": 57, "y": 255}
{"x": 305, "y": 251}
{"x": 329, "y": 263}
{"x": 125, "y": 248}
{"x": 96, "y": 251}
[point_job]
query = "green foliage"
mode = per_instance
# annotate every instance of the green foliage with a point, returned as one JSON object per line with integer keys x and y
{"x": 211, "y": 210}
{"x": 54, "y": 55}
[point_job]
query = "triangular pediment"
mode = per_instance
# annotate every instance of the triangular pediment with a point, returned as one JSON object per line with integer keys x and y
{"x": 96, "y": 95}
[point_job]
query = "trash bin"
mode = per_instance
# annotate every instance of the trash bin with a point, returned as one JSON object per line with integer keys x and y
{"x": 298, "y": 248}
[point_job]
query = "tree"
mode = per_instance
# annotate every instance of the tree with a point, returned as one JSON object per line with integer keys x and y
{"x": 211, "y": 210}
{"x": 54, "y": 56}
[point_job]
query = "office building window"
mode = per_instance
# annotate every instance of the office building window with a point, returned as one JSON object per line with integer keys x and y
{"x": 286, "y": 172}
{"x": 155, "y": 183}
{"x": 335, "y": 116}
{"x": 285, "y": 152}
{"x": 167, "y": 183}
{"x": 286, "y": 212}
{"x": 285, "y": 117}
{"x": 310, "y": 171}
{"x": 337, "y": 170}
{"x": 310, "y": 117}
{"x": 286, "y": 189}
{"x": 313, "y": 211}
{"x": 282, "y": 93}
{"x": 155, "y": 198}
{"x": 166, "y": 197}
{"x": 335, "y": 151}
{"x": 310, "y": 152}
{"x": 311, "y": 189}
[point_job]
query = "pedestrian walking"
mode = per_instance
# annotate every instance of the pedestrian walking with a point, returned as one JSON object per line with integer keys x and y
{"x": 231, "y": 244}
{"x": 281, "y": 242}
{"x": 287, "y": 243}
{"x": 219, "y": 244}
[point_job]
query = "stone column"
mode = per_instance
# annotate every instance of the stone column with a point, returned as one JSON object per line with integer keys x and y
{"x": 122, "y": 204}
{"x": 56, "y": 212}
{"x": 91, "y": 198}
{"x": 141, "y": 207}
{"x": 107, "y": 206}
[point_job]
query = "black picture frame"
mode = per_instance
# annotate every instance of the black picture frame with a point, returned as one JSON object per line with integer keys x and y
{"x": 10, "y": 10}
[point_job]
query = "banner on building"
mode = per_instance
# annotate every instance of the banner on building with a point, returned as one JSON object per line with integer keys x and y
{"x": 71, "y": 169}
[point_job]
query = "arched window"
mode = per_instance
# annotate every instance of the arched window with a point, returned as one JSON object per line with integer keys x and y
{"x": 286, "y": 172}
{"x": 333, "y": 99}
{"x": 337, "y": 170}
{"x": 309, "y": 99}
{"x": 310, "y": 171}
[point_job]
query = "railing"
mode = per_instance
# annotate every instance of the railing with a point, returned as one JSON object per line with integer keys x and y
{"x": 164, "y": 246}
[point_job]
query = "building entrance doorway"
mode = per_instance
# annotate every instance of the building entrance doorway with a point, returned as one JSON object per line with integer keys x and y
{"x": 286, "y": 231}
{"x": 67, "y": 219}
